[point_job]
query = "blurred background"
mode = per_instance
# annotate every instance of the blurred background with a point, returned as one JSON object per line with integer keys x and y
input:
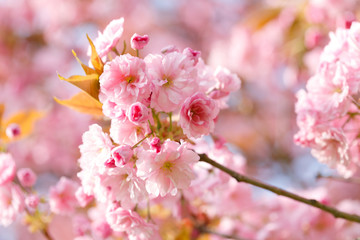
{"x": 273, "y": 46}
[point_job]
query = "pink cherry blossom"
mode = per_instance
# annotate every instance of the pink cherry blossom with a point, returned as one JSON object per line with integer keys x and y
{"x": 139, "y": 42}
{"x": 82, "y": 198}
{"x": 226, "y": 81}
{"x": 7, "y": 168}
{"x": 120, "y": 184}
{"x": 197, "y": 115}
{"x": 167, "y": 171}
{"x": 124, "y": 82}
{"x": 11, "y": 203}
{"x": 126, "y": 132}
{"x": 173, "y": 77}
{"x": 108, "y": 39}
{"x": 131, "y": 222}
{"x": 62, "y": 198}
{"x": 26, "y": 177}
{"x": 138, "y": 113}
{"x": 122, "y": 155}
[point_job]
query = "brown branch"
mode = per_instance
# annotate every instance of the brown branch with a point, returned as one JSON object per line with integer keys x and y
{"x": 312, "y": 202}
{"x": 204, "y": 229}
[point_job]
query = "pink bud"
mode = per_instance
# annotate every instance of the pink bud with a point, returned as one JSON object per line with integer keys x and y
{"x": 26, "y": 177}
{"x": 156, "y": 144}
{"x": 138, "y": 113}
{"x": 110, "y": 163}
{"x": 13, "y": 131}
{"x": 139, "y": 42}
{"x": 32, "y": 201}
{"x": 192, "y": 54}
{"x": 82, "y": 198}
{"x": 122, "y": 155}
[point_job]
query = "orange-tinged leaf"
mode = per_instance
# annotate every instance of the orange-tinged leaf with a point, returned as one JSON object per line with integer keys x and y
{"x": 2, "y": 109}
{"x": 25, "y": 120}
{"x": 87, "y": 70}
{"x": 83, "y": 102}
{"x": 95, "y": 59}
{"x": 88, "y": 83}
{"x": 261, "y": 16}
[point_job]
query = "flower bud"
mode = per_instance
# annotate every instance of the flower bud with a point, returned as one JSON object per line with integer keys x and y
{"x": 156, "y": 144}
{"x": 26, "y": 177}
{"x": 32, "y": 201}
{"x": 139, "y": 42}
{"x": 192, "y": 54}
{"x": 13, "y": 131}
{"x": 138, "y": 113}
{"x": 122, "y": 155}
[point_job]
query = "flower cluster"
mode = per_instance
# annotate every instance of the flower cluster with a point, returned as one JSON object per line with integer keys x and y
{"x": 158, "y": 106}
{"x": 328, "y": 111}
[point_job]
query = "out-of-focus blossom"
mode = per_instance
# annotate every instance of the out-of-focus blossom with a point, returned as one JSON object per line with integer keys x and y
{"x": 26, "y": 177}
{"x": 7, "y": 168}
{"x": 62, "y": 198}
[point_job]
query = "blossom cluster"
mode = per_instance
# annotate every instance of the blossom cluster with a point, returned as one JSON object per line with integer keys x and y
{"x": 158, "y": 106}
{"x": 328, "y": 110}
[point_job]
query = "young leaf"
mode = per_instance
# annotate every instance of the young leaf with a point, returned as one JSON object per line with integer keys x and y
{"x": 95, "y": 59}
{"x": 87, "y": 70}
{"x": 83, "y": 102}
{"x": 88, "y": 83}
{"x": 25, "y": 120}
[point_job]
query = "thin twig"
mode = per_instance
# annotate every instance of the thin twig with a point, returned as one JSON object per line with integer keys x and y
{"x": 46, "y": 234}
{"x": 340, "y": 179}
{"x": 312, "y": 202}
{"x": 204, "y": 229}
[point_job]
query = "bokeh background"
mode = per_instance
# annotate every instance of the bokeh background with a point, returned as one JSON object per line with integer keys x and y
{"x": 273, "y": 46}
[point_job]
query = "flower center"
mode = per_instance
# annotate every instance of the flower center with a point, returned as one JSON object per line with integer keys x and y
{"x": 130, "y": 79}
{"x": 167, "y": 166}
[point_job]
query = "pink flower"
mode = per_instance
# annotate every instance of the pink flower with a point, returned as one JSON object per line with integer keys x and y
{"x": 26, "y": 177}
{"x": 197, "y": 115}
{"x": 107, "y": 40}
{"x": 173, "y": 77}
{"x": 331, "y": 148}
{"x": 120, "y": 184}
{"x": 167, "y": 171}
{"x": 11, "y": 203}
{"x": 226, "y": 81}
{"x": 101, "y": 229}
{"x": 139, "y": 42}
{"x": 124, "y": 82}
{"x": 62, "y": 198}
{"x": 122, "y": 155}
{"x": 126, "y": 132}
{"x": 138, "y": 113}
{"x": 83, "y": 198}
{"x": 193, "y": 55}
{"x": 7, "y": 168}
{"x": 128, "y": 221}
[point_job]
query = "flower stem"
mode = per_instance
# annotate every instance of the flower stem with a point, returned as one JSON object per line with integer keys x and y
{"x": 312, "y": 202}
{"x": 138, "y": 143}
